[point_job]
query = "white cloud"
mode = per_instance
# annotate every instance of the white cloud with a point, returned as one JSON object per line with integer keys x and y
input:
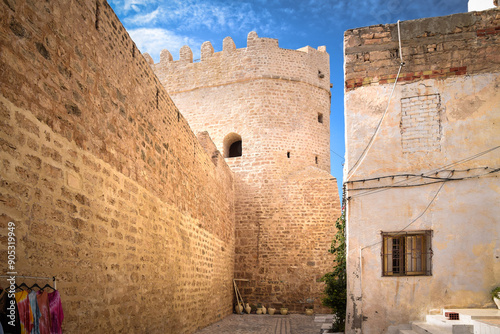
{"x": 153, "y": 40}
{"x": 144, "y": 19}
{"x": 186, "y": 15}
{"x": 134, "y": 4}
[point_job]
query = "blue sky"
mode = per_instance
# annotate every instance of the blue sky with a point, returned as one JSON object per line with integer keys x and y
{"x": 169, "y": 24}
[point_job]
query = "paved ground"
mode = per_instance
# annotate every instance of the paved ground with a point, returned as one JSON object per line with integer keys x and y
{"x": 265, "y": 324}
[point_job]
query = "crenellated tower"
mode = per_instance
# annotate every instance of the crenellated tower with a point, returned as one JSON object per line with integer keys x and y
{"x": 267, "y": 109}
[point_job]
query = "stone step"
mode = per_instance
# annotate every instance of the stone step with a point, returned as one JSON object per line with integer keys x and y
{"x": 406, "y": 331}
{"x": 324, "y": 318}
{"x": 425, "y": 328}
{"x": 439, "y": 320}
{"x": 326, "y": 326}
{"x": 471, "y": 321}
{"x": 471, "y": 314}
{"x": 457, "y": 326}
{"x": 480, "y": 321}
{"x": 486, "y": 326}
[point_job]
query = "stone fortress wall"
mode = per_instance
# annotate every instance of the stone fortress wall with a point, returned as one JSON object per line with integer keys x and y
{"x": 277, "y": 102}
{"x": 109, "y": 189}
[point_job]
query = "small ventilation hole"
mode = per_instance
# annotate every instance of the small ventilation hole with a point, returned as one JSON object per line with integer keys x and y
{"x": 320, "y": 117}
{"x": 288, "y": 154}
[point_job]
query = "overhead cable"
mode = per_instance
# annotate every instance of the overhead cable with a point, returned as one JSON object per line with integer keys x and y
{"x": 439, "y": 169}
{"x": 370, "y": 143}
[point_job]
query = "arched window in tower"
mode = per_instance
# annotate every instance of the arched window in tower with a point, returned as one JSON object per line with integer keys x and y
{"x": 233, "y": 145}
{"x": 235, "y": 149}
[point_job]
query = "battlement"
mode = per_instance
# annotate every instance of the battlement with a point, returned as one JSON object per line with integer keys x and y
{"x": 267, "y": 110}
{"x": 262, "y": 58}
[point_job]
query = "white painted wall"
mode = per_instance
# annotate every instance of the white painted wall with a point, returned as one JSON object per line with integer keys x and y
{"x": 463, "y": 215}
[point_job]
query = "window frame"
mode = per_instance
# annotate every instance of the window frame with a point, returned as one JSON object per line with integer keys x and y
{"x": 416, "y": 259}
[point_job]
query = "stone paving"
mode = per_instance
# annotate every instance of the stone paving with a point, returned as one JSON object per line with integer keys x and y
{"x": 267, "y": 324}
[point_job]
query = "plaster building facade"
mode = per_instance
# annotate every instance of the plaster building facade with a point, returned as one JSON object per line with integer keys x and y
{"x": 273, "y": 106}
{"x": 422, "y": 168}
{"x": 143, "y": 223}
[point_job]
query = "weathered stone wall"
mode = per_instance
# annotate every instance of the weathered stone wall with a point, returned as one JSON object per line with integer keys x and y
{"x": 432, "y": 48}
{"x": 109, "y": 189}
{"x": 286, "y": 200}
{"x": 441, "y": 123}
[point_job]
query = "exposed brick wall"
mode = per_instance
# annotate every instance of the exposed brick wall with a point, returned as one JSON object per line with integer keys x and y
{"x": 110, "y": 190}
{"x": 286, "y": 202}
{"x": 420, "y": 123}
{"x": 437, "y": 47}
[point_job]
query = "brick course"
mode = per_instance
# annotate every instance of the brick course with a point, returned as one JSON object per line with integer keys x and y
{"x": 110, "y": 190}
{"x": 461, "y": 44}
{"x": 286, "y": 201}
{"x": 420, "y": 123}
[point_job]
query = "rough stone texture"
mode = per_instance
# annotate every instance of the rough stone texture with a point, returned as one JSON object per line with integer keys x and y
{"x": 286, "y": 201}
{"x": 432, "y": 48}
{"x": 110, "y": 190}
{"x": 453, "y": 118}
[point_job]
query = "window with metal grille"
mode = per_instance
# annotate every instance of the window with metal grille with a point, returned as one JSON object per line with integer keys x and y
{"x": 407, "y": 253}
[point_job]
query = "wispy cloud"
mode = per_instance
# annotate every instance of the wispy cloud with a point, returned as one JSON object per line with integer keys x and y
{"x": 190, "y": 15}
{"x": 237, "y": 15}
{"x": 146, "y": 19}
{"x": 125, "y": 6}
{"x": 170, "y": 22}
{"x": 153, "y": 40}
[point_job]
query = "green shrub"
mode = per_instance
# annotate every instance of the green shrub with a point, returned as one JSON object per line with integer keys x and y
{"x": 336, "y": 281}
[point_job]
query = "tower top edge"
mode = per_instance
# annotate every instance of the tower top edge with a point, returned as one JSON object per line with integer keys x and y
{"x": 254, "y": 43}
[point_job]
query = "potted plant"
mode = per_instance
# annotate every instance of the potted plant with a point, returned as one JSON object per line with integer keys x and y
{"x": 271, "y": 310}
{"x": 259, "y": 309}
{"x": 495, "y": 295}
{"x": 284, "y": 311}
{"x": 310, "y": 310}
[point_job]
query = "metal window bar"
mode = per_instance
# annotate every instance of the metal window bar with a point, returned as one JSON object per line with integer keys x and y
{"x": 406, "y": 253}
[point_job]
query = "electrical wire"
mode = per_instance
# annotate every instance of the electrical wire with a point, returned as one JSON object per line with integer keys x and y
{"x": 399, "y": 39}
{"x": 418, "y": 217}
{"x": 440, "y": 169}
{"x": 378, "y": 178}
{"x": 427, "y": 183}
{"x": 370, "y": 143}
{"x": 337, "y": 154}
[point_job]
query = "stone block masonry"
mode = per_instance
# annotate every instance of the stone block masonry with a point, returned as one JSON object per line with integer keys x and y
{"x": 455, "y": 45}
{"x": 277, "y": 101}
{"x": 110, "y": 190}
